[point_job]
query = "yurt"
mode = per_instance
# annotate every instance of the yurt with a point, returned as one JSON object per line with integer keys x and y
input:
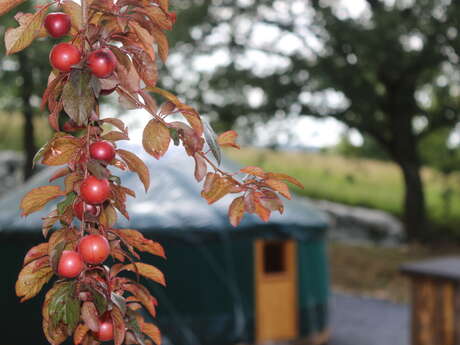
{"x": 259, "y": 283}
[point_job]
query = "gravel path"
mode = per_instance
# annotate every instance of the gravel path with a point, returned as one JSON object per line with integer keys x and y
{"x": 366, "y": 321}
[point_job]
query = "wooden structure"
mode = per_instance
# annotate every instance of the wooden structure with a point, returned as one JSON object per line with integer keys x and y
{"x": 435, "y": 288}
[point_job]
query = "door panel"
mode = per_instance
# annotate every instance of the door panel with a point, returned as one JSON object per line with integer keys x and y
{"x": 276, "y": 290}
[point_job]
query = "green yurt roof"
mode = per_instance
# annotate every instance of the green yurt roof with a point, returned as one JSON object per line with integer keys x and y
{"x": 172, "y": 206}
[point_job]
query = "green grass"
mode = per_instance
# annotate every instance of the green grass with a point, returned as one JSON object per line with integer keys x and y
{"x": 11, "y": 131}
{"x": 358, "y": 182}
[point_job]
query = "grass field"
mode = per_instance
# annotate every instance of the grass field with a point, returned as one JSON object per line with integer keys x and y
{"x": 11, "y": 127}
{"x": 358, "y": 182}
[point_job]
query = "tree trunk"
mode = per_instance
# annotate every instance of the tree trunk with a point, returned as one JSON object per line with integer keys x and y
{"x": 28, "y": 113}
{"x": 403, "y": 149}
{"x": 414, "y": 201}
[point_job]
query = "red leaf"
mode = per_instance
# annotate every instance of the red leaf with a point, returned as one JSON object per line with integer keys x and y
{"x": 236, "y": 211}
{"x": 90, "y": 316}
{"x": 152, "y": 331}
{"x": 279, "y": 186}
{"x": 200, "y": 167}
{"x": 137, "y": 165}
{"x": 284, "y": 177}
{"x": 138, "y": 241}
{"x": 147, "y": 271}
{"x": 254, "y": 171}
{"x": 228, "y": 139}
{"x": 119, "y": 327}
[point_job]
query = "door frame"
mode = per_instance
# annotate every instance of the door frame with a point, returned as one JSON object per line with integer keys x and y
{"x": 260, "y": 277}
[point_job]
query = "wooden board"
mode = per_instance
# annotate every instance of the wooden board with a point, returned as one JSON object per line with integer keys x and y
{"x": 433, "y": 311}
{"x": 276, "y": 294}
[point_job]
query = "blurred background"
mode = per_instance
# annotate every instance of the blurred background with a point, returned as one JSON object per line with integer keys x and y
{"x": 359, "y": 100}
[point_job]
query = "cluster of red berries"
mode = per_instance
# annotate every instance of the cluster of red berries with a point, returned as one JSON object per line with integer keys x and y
{"x": 92, "y": 249}
{"x": 63, "y": 56}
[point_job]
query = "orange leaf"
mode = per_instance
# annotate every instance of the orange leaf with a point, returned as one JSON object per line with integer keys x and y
{"x": 279, "y": 186}
{"x": 119, "y": 328}
{"x": 136, "y": 165}
{"x": 31, "y": 281}
{"x": 80, "y": 333}
{"x": 37, "y": 198}
{"x": 115, "y": 136}
{"x": 61, "y": 150}
{"x": 159, "y": 17}
{"x": 147, "y": 271}
{"x": 236, "y": 211}
{"x": 145, "y": 37}
{"x": 117, "y": 123}
{"x": 162, "y": 43}
{"x": 137, "y": 240}
{"x": 36, "y": 252}
{"x": 284, "y": 177}
{"x": 21, "y": 37}
{"x": 7, "y": 5}
{"x": 255, "y": 171}
{"x": 228, "y": 139}
{"x": 143, "y": 296}
{"x": 156, "y": 138}
{"x": 152, "y": 331}
{"x": 263, "y": 212}
{"x": 216, "y": 187}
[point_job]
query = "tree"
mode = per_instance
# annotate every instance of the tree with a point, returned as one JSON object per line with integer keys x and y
{"x": 22, "y": 82}
{"x": 388, "y": 72}
{"x": 113, "y": 47}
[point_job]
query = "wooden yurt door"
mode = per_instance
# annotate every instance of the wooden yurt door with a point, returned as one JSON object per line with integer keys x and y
{"x": 276, "y": 290}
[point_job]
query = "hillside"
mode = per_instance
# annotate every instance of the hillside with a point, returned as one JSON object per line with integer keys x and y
{"x": 359, "y": 182}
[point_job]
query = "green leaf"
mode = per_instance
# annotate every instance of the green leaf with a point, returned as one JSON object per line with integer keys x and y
{"x": 72, "y": 312}
{"x": 119, "y": 301}
{"x": 78, "y": 96}
{"x": 56, "y": 254}
{"x": 99, "y": 301}
{"x": 211, "y": 139}
{"x": 68, "y": 201}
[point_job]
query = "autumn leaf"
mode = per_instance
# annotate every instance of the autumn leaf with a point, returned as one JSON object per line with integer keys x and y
{"x": 30, "y": 282}
{"x": 194, "y": 119}
{"x": 74, "y": 11}
{"x": 236, "y": 211}
{"x": 201, "y": 167}
{"x": 7, "y": 5}
{"x": 137, "y": 240}
{"x": 143, "y": 295}
{"x": 162, "y": 43}
{"x": 108, "y": 216}
{"x": 136, "y": 165}
{"x": 260, "y": 210}
{"x": 147, "y": 271}
{"x": 159, "y": 17}
{"x": 284, "y": 177}
{"x": 228, "y": 139}
{"x": 115, "y": 136}
{"x": 56, "y": 334}
{"x": 119, "y": 328}
{"x": 80, "y": 333}
{"x": 36, "y": 252}
{"x": 117, "y": 123}
{"x": 156, "y": 138}
{"x": 215, "y": 187}
{"x": 152, "y": 331}
{"x": 78, "y": 98}
{"x": 90, "y": 316}
{"x": 279, "y": 186}
{"x": 16, "y": 39}
{"x": 254, "y": 171}
{"x": 61, "y": 150}
{"x": 37, "y": 198}
{"x": 145, "y": 37}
